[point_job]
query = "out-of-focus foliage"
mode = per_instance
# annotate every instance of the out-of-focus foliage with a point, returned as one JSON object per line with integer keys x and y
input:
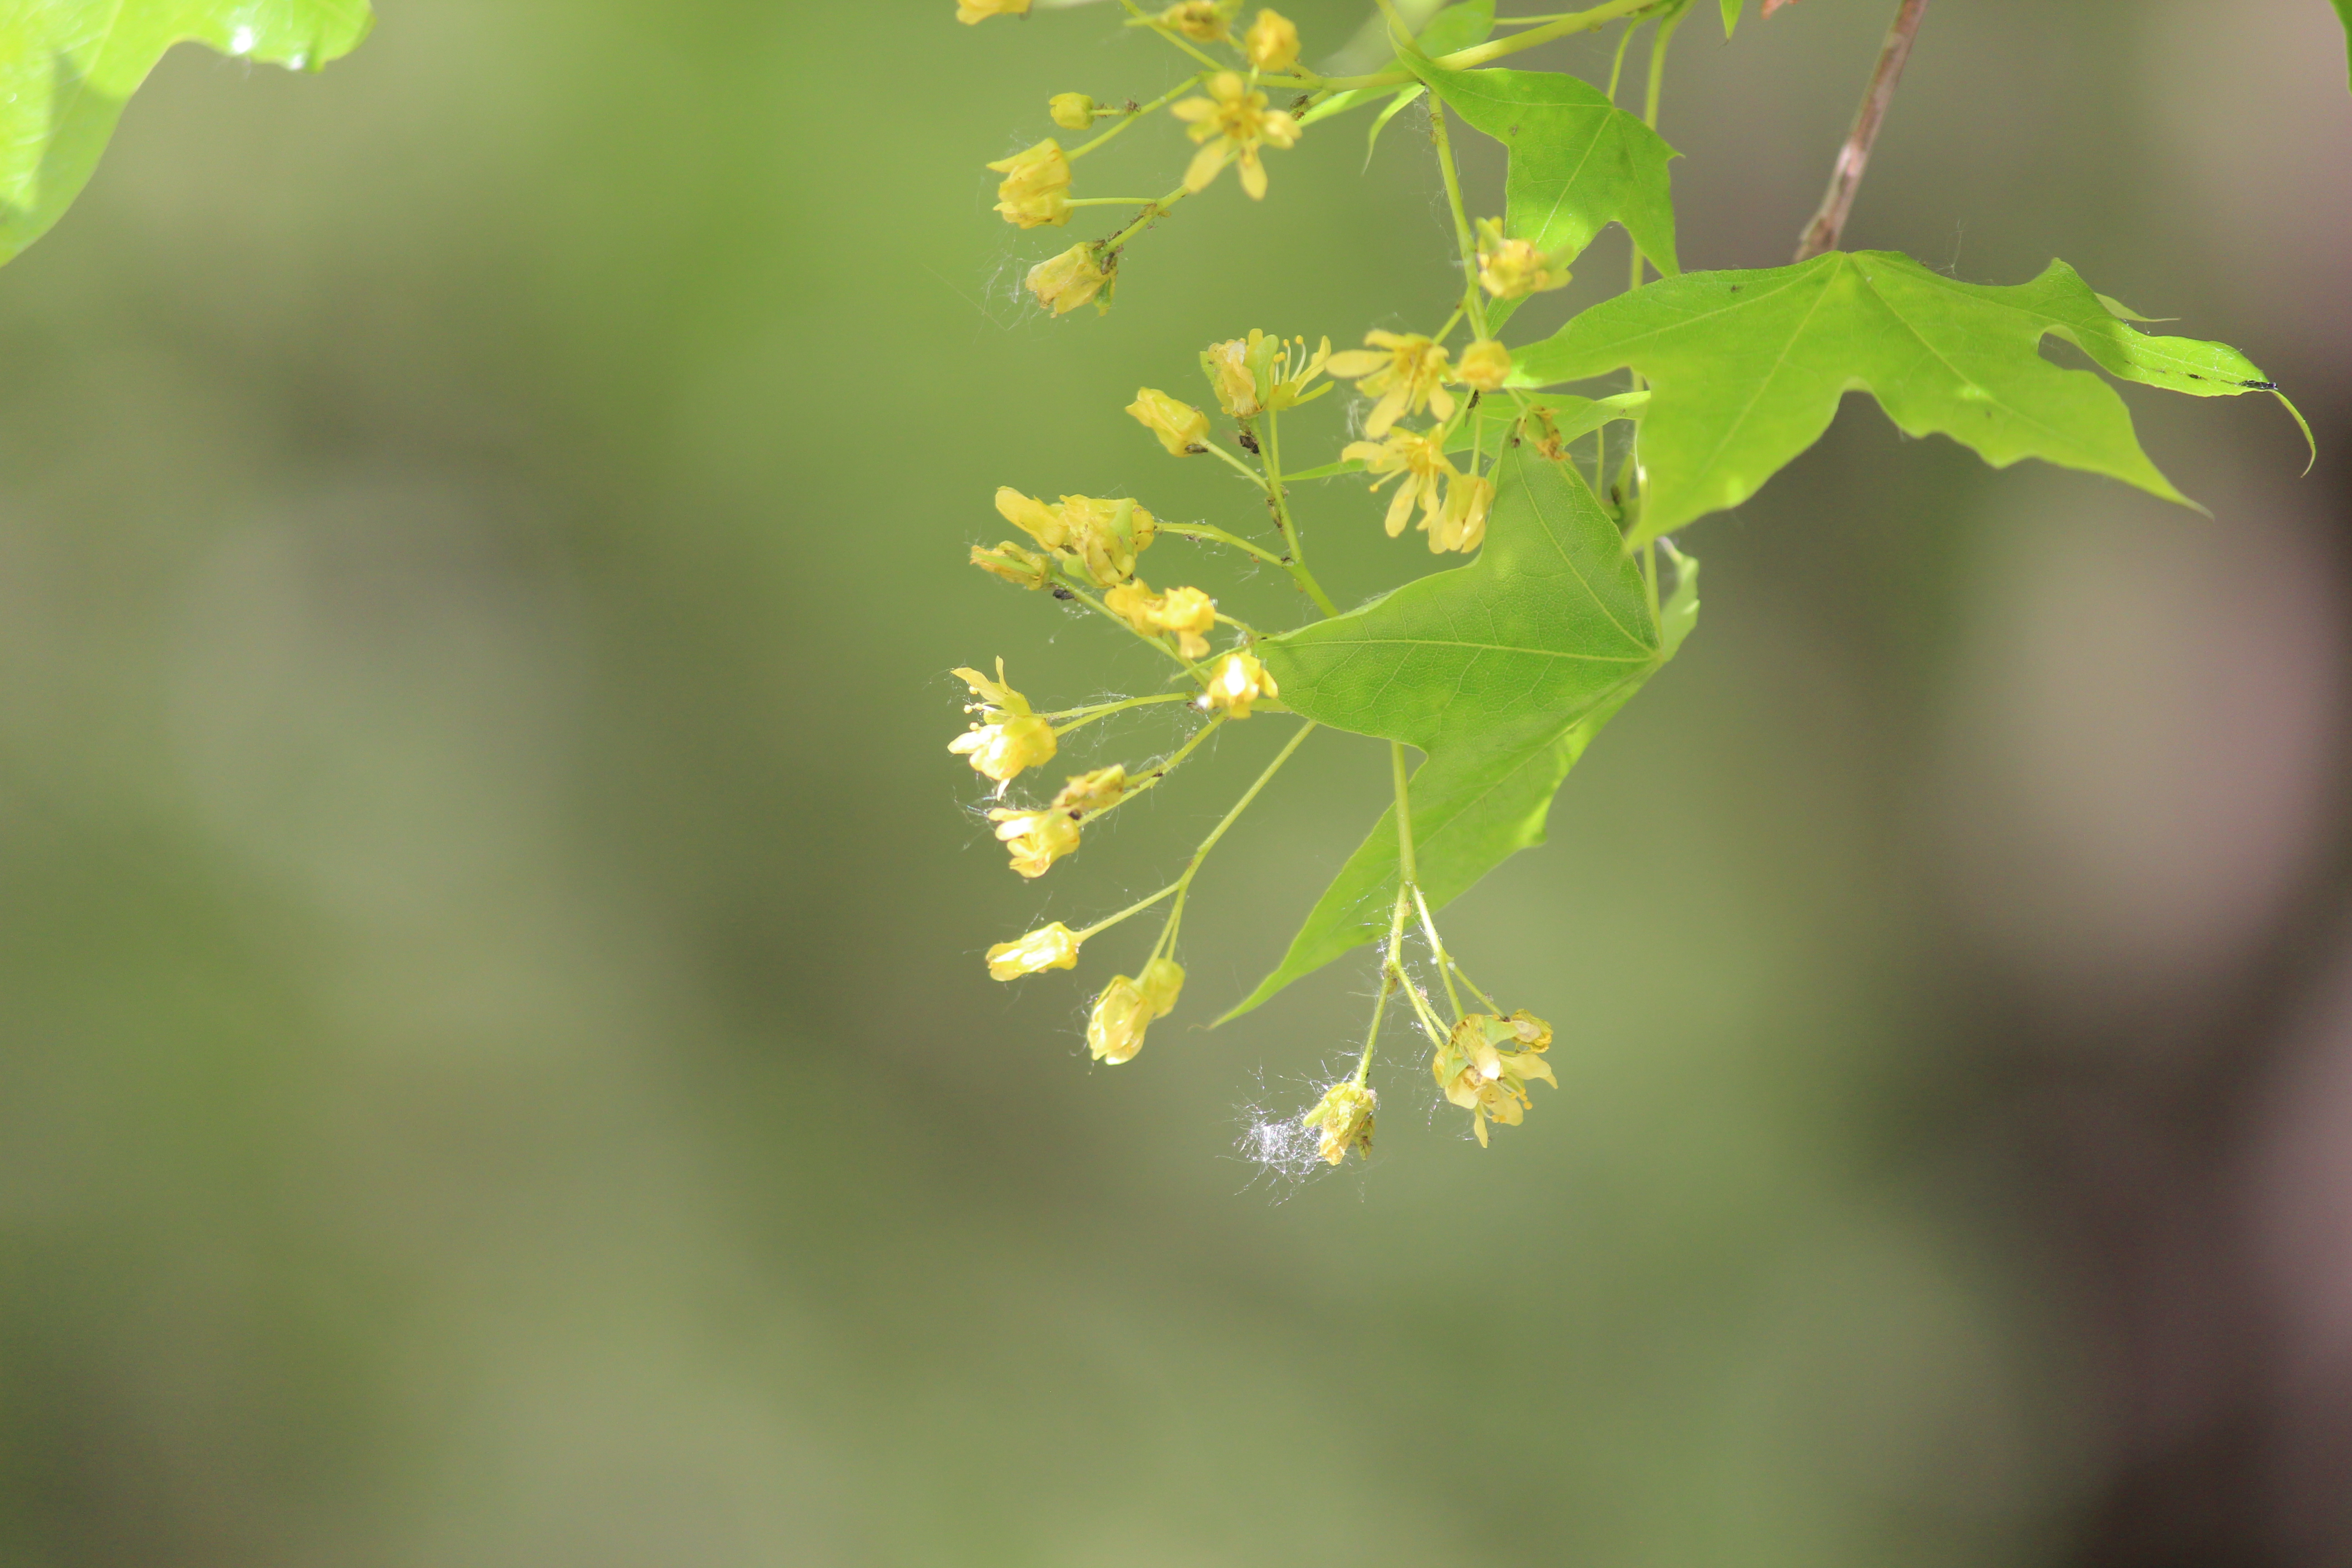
{"x": 68, "y": 66}
{"x": 499, "y": 1068}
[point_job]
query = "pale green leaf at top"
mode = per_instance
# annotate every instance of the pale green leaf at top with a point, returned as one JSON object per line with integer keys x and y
{"x": 2343, "y": 10}
{"x": 1731, "y": 9}
{"x": 1454, "y": 28}
{"x": 1747, "y": 370}
{"x": 1458, "y": 27}
{"x": 1501, "y": 671}
{"x": 1578, "y": 163}
{"x": 67, "y": 67}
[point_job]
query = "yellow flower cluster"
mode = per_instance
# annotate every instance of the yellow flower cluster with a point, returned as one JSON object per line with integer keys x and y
{"x": 1126, "y": 1007}
{"x": 1009, "y": 736}
{"x": 1097, "y": 539}
{"x": 973, "y": 12}
{"x": 1475, "y": 1072}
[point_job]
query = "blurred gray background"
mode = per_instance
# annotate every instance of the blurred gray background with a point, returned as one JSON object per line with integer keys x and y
{"x": 495, "y": 1063}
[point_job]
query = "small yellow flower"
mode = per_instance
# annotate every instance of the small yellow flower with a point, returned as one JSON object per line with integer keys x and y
{"x": 1407, "y": 375}
{"x": 1087, "y": 793}
{"x": 1484, "y": 366}
{"x": 1477, "y": 1075}
{"x": 1238, "y": 682}
{"x": 1232, "y": 123}
{"x": 1422, "y": 462}
{"x": 1048, "y": 947}
{"x": 1462, "y": 524}
{"x": 1036, "y": 190}
{"x": 1514, "y": 269}
{"x": 1071, "y": 111}
{"x": 1008, "y": 560}
{"x": 1036, "y": 838}
{"x": 1272, "y": 42}
{"x": 1010, "y": 737}
{"x": 1182, "y": 428}
{"x": 1063, "y": 283}
{"x": 1344, "y": 1117}
{"x": 1188, "y": 613}
{"x": 970, "y": 12}
{"x": 1202, "y": 21}
{"x": 1126, "y": 1007}
{"x": 1260, "y": 372}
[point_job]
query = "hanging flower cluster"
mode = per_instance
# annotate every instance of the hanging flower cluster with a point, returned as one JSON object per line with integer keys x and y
{"x": 1421, "y": 431}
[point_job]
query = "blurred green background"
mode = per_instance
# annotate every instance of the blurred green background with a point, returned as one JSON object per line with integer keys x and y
{"x": 495, "y": 1063}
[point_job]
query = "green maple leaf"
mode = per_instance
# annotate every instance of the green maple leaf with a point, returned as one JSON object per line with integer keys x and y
{"x": 67, "y": 67}
{"x": 1578, "y": 162}
{"x": 1747, "y": 370}
{"x": 1501, "y": 671}
{"x": 2343, "y": 10}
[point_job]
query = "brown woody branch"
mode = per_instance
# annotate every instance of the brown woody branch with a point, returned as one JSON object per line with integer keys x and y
{"x": 1829, "y": 224}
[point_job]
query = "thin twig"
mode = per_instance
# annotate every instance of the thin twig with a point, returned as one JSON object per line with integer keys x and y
{"x": 1829, "y": 224}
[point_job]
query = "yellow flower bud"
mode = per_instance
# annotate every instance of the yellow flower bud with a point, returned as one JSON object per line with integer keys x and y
{"x": 1036, "y": 190}
{"x": 1227, "y": 366}
{"x": 1238, "y": 682}
{"x": 1272, "y": 42}
{"x": 1036, "y": 838}
{"x": 1072, "y": 111}
{"x": 1202, "y": 21}
{"x": 1115, "y": 1029}
{"x": 1032, "y": 517}
{"x": 1344, "y": 1117}
{"x": 1063, "y": 283}
{"x": 1182, "y": 428}
{"x": 1462, "y": 524}
{"x": 972, "y": 13}
{"x": 1010, "y": 737}
{"x": 1048, "y": 947}
{"x": 1514, "y": 269}
{"x": 1484, "y": 366}
{"x": 1014, "y": 564}
{"x": 1091, "y": 792}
